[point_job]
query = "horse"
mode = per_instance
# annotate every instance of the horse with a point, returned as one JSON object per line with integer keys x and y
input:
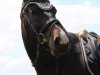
{"x": 51, "y": 49}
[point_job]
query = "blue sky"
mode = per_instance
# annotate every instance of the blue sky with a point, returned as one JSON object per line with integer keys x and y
{"x": 68, "y": 2}
{"x": 73, "y": 14}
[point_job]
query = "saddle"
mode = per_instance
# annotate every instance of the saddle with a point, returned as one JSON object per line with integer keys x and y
{"x": 90, "y": 43}
{"x": 93, "y": 40}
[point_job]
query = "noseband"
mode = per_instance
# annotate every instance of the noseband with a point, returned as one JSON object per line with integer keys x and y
{"x": 45, "y": 6}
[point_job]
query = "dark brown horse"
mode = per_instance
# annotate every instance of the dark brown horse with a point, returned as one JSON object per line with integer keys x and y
{"x": 51, "y": 49}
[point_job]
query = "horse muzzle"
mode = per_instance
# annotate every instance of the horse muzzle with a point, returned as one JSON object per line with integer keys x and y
{"x": 58, "y": 41}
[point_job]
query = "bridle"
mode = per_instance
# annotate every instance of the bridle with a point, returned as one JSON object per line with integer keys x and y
{"x": 40, "y": 36}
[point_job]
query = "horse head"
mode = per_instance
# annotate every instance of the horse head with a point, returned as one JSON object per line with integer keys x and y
{"x": 41, "y": 16}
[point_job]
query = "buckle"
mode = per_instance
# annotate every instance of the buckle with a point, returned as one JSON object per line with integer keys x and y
{"x": 41, "y": 38}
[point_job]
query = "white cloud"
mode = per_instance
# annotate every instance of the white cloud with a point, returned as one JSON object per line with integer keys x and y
{"x": 17, "y": 66}
{"x": 87, "y": 3}
{"x": 10, "y": 37}
{"x": 13, "y": 66}
{"x": 75, "y": 17}
{"x": 9, "y": 25}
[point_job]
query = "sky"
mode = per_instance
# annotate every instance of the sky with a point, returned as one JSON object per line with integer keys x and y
{"x": 73, "y": 14}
